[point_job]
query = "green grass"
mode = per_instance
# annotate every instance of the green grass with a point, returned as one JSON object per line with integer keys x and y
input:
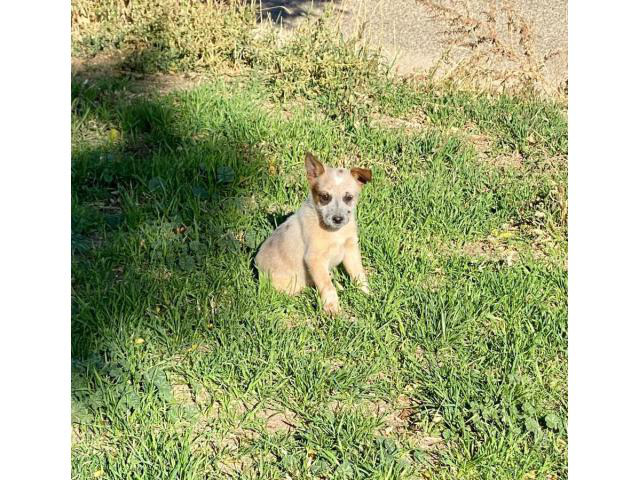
{"x": 184, "y": 366}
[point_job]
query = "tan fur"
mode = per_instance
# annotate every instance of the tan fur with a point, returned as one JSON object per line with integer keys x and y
{"x": 303, "y": 250}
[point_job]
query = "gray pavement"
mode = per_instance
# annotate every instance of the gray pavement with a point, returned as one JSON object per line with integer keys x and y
{"x": 413, "y": 39}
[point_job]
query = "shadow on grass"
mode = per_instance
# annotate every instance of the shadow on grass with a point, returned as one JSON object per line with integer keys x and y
{"x": 160, "y": 219}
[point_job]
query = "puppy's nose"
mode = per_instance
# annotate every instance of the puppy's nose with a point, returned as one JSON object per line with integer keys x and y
{"x": 337, "y": 219}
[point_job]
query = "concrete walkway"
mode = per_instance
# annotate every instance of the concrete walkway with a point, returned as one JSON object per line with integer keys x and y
{"x": 413, "y": 35}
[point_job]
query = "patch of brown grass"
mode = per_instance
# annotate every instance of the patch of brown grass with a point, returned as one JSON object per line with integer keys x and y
{"x": 233, "y": 466}
{"x": 166, "y": 35}
{"x": 510, "y": 243}
{"x": 415, "y": 124}
{"x": 490, "y": 250}
{"x": 434, "y": 280}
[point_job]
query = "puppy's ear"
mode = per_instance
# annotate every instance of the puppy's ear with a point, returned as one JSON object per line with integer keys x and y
{"x": 362, "y": 175}
{"x": 313, "y": 166}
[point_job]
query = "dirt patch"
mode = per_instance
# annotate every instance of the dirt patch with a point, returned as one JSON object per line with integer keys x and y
{"x": 400, "y": 420}
{"x": 396, "y": 416}
{"x": 295, "y": 320}
{"x": 234, "y": 439}
{"x": 182, "y": 394}
{"x": 555, "y": 165}
{"x": 234, "y": 426}
{"x": 277, "y": 421}
{"x": 386, "y": 121}
{"x": 483, "y": 145}
{"x": 109, "y": 65}
{"x": 253, "y": 416}
{"x": 505, "y": 160}
{"x": 510, "y": 243}
{"x": 233, "y": 466}
{"x": 491, "y": 250}
{"x": 97, "y": 442}
{"x": 435, "y": 280}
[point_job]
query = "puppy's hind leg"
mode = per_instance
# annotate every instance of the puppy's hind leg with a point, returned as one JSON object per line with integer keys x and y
{"x": 290, "y": 284}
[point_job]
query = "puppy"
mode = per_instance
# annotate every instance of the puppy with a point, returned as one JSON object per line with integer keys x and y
{"x": 322, "y": 234}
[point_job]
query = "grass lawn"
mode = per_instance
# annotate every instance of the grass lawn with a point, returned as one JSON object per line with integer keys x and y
{"x": 185, "y": 367}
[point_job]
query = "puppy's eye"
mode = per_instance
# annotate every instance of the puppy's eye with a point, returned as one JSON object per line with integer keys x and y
{"x": 325, "y": 197}
{"x": 348, "y": 197}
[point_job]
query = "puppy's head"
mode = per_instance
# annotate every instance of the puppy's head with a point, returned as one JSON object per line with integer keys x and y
{"x": 334, "y": 191}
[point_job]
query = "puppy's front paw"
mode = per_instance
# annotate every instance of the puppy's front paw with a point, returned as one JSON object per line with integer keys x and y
{"x": 363, "y": 284}
{"x": 332, "y": 308}
{"x": 331, "y": 304}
